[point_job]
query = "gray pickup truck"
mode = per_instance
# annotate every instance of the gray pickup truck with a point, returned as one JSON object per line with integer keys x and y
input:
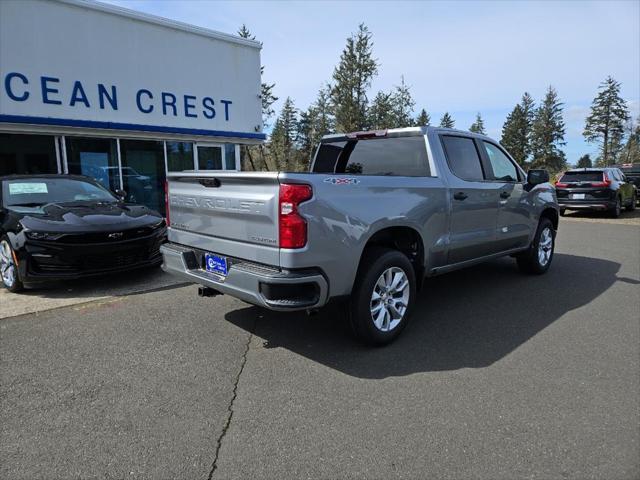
{"x": 378, "y": 212}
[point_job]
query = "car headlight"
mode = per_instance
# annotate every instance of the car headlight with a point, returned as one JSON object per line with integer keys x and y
{"x": 43, "y": 235}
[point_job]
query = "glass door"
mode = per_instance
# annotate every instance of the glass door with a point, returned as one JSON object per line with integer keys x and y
{"x": 143, "y": 172}
{"x": 94, "y": 157}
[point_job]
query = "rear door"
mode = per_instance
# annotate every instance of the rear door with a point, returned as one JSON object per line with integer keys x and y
{"x": 514, "y": 221}
{"x": 474, "y": 201}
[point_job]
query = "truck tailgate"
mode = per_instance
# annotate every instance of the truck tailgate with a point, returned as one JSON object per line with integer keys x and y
{"x": 228, "y": 213}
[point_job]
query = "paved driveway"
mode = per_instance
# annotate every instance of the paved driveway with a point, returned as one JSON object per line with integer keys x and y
{"x": 499, "y": 376}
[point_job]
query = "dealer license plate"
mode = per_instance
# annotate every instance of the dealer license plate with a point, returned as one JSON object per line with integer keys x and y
{"x": 577, "y": 196}
{"x": 215, "y": 264}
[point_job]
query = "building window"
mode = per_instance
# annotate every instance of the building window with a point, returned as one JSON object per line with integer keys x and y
{"x": 180, "y": 156}
{"x": 143, "y": 172}
{"x": 229, "y": 156}
{"x": 27, "y": 154}
{"x": 94, "y": 157}
{"x": 209, "y": 157}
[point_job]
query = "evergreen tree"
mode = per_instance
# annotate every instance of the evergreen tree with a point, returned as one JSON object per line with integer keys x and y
{"x": 547, "y": 134}
{"x": 516, "y": 131}
{"x": 313, "y": 124}
{"x": 284, "y": 137}
{"x": 423, "y": 119}
{"x": 447, "y": 121}
{"x": 352, "y": 78}
{"x": 381, "y": 112}
{"x": 631, "y": 152}
{"x": 478, "y": 125}
{"x": 605, "y": 124}
{"x": 402, "y": 105}
{"x": 585, "y": 161}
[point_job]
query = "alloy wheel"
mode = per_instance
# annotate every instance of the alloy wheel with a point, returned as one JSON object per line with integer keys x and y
{"x": 389, "y": 299}
{"x": 7, "y": 267}
{"x": 545, "y": 246}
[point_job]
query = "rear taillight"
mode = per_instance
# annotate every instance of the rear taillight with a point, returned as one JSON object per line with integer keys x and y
{"x": 561, "y": 185}
{"x": 293, "y": 228}
{"x": 604, "y": 183}
{"x": 166, "y": 202}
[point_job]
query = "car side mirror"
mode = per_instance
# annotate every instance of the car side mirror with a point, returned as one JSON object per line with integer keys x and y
{"x": 121, "y": 194}
{"x": 537, "y": 176}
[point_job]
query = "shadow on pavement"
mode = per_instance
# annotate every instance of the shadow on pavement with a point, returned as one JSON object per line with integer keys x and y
{"x": 466, "y": 319}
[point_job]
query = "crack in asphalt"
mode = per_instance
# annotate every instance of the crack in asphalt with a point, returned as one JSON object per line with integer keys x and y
{"x": 227, "y": 425}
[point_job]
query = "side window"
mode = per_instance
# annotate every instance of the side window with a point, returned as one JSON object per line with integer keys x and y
{"x": 463, "y": 158}
{"x": 503, "y": 168}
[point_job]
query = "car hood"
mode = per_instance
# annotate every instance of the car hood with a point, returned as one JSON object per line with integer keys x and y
{"x": 85, "y": 217}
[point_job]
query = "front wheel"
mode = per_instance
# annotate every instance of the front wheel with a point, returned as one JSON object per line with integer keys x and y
{"x": 8, "y": 267}
{"x": 383, "y": 296}
{"x": 537, "y": 259}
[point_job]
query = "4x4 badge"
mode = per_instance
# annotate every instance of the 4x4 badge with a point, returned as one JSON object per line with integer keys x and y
{"x": 341, "y": 181}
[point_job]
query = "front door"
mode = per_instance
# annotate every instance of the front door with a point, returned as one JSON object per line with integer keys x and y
{"x": 514, "y": 221}
{"x": 474, "y": 202}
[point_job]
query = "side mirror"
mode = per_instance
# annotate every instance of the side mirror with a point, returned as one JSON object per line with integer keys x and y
{"x": 536, "y": 177}
{"x": 121, "y": 194}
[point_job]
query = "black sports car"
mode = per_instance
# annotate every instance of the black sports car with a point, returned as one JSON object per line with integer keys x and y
{"x": 55, "y": 227}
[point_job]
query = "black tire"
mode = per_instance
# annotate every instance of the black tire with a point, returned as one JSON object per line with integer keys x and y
{"x": 632, "y": 206}
{"x": 617, "y": 208}
{"x": 14, "y": 285}
{"x": 529, "y": 261}
{"x": 375, "y": 262}
{"x": 563, "y": 212}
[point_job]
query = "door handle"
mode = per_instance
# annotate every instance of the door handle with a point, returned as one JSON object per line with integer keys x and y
{"x": 504, "y": 194}
{"x": 460, "y": 195}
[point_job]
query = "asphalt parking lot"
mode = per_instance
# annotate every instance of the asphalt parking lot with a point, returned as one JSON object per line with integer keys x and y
{"x": 499, "y": 375}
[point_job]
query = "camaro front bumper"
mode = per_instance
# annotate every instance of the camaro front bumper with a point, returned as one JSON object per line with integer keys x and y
{"x": 47, "y": 261}
{"x": 254, "y": 283}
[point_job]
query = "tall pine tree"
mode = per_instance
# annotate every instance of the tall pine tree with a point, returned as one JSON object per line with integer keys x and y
{"x": 547, "y": 134}
{"x": 447, "y": 121}
{"x": 314, "y": 123}
{"x": 402, "y": 104}
{"x": 478, "y": 125}
{"x": 423, "y": 119}
{"x": 516, "y": 131}
{"x": 381, "y": 112}
{"x": 605, "y": 124}
{"x": 352, "y": 78}
{"x": 631, "y": 152}
{"x": 584, "y": 161}
{"x": 284, "y": 137}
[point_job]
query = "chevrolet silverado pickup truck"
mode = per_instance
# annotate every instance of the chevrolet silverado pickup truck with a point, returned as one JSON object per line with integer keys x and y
{"x": 378, "y": 212}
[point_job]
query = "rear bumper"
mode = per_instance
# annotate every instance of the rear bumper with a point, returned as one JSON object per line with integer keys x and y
{"x": 586, "y": 205}
{"x": 254, "y": 283}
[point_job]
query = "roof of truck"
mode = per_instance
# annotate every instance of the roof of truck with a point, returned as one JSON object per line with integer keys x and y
{"x": 399, "y": 132}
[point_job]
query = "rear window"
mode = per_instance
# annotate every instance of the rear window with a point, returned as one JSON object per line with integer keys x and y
{"x": 402, "y": 156}
{"x": 569, "y": 177}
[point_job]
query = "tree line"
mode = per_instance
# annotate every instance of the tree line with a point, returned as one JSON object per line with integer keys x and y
{"x": 533, "y": 134}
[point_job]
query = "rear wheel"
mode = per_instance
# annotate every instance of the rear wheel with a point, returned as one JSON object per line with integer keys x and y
{"x": 537, "y": 259}
{"x": 617, "y": 208}
{"x": 632, "y": 206}
{"x": 383, "y": 296}
{"x": 8, "y": 267}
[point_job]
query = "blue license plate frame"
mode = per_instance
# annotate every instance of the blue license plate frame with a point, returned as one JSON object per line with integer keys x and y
{"x": 216, "y": 264}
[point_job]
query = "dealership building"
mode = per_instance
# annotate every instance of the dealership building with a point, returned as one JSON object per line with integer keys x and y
{"x": 121, "y": 96}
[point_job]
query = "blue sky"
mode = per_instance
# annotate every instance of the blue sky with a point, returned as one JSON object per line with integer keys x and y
{"x": 458, "y": 56}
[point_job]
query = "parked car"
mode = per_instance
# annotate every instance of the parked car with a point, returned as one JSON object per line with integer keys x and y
{"x": 378, "y": 212}
{"x": 59, "y": 227}
{"x": 604, "y": 189}
{"x": 632, "y": 172}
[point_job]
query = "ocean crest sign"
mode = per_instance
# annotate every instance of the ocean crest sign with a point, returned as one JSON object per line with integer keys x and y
{"x": 66, "y": 64}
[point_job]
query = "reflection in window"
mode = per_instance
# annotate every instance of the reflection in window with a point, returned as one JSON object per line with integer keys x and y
{"x": 229, "y": 156}
{"x": 27, "y": 154}
{"x": 209, "y": 158}
{"x": 95, "y": 158}
{"x": 180, "y": 156}
{"x": 503, "y": 168}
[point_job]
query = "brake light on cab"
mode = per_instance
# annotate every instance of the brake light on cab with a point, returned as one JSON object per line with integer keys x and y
{"x": 292, "y": 226}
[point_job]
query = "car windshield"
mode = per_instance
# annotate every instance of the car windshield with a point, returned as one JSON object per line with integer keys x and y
{"x": 32, "y": 192}
{"x": 589, "y": 176}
